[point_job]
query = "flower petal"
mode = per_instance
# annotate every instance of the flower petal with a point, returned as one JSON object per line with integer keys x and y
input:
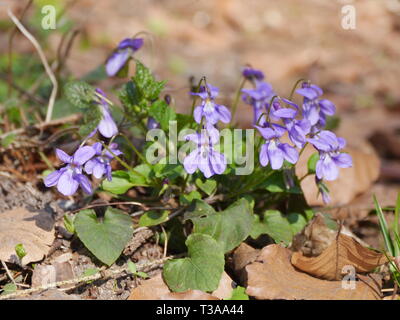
{"x": 107, "y": 126}
{"x": 343, "y": 160}
{"x": 327, "y": 169}
{"x": 116, "y": 61}
{"x": 190, "y": 163}
{"x": 52, "y": 178}
{"x": 218, "y": 162}
{"x": 64, "y": 157}
{"x": 83, "y": 154}
{"x": 224, "y": 113}
{"x": 264, "y": 160}
{"x": 90, "y": 165}
{"x": 275, "y": 156}
{"x": 98, "y": 170}
{"x": 198, "y": 113}
{"x": 289, "y": 153}
{"x": 84, "y": 182}
{"x": 327, "y": 107}
{"x": 67, "y": 185}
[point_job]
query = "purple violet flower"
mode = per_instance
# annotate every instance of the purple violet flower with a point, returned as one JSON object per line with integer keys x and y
{"x": 117, "y": 60}
{"x": 100, "y": 165}
{"x": 259, "y": 98}
{"x": 204, "y": 157}
{"x": 107, "y": 125}
{"x": 208, "y": 109}
{"x": 70, "y": 177}
{"x": 297, "y": 129}
{"x": 253, "y": 74}
{"x": 273, "y": 151}
{"x": 330, "y": 157}
{"x": 152, "y": 123}
{"x": 315, "y": 109}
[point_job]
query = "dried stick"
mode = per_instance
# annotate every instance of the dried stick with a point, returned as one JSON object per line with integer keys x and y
{"x": 76, "y": 281}
{"x": 49, "y": 71}
{"x": 8, "y": 272}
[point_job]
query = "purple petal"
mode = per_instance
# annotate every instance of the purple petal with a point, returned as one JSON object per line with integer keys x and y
{"x": 134, "y": 44}
{"x": 264, "y": 160}
{"x": 205, "y": 165}
{"x": 275, "y": 156}
{"x": 308, "y": 93}
{"x": 327, "y": 169}
{"x": 285, "y": 113}
{"x": 327, "y": 107}
{"x": 218, "y": 162}
{"x": 343, "y": 160}
{"x": 90, "y": 165}
{"x": 64, "y": 157}
{"x": 52, "y": 178}
{"x": 83, "y": 154}
{"x": 98, "y": 170}
{"x": 224, "y": 113}
{"x": 116, "y": 62}
{"x": 107, "y": 126}
{"x": 267, "y": 133}
{"x": 67, "y": 185}
{"x": 84, "y": 183}
{"x": 311, "y": 113}
{"x": 213, "y": 133}
{"x": 191, "y": 161}
{"x": 289, "y": 153}
{"x": 97, "y": 147}
{"x": 198, "y": 113}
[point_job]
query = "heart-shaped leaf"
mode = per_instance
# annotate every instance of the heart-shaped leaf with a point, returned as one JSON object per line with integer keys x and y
{"x": 105, "y": 238}
{"x": 279, "y": 227}
{"x": 203, "y": 268}
{"x": 229, "y": 227}
{"x": 153, "y": 218}
{"x": 208, "y": 186}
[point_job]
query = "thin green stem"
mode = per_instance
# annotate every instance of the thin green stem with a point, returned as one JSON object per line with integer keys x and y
{"x": 236, "y": 101}
{"x": 138, "y": 153}
{"x": 294, "y": 88}
{"x": 197, "y": 90}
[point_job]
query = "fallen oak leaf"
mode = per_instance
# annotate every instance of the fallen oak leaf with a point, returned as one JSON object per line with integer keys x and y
{"x": 34, "y": 230}
{"x": 344, "y": 251}
{"x": 272, "y": 276}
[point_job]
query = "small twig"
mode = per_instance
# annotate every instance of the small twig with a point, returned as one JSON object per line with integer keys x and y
{"x": 49, "y": 71}
{"x": 99, "y": 275}
{"x": 8, "y": 272}
{"x": 43, "y": 125}
{"x": 165, "y": 241}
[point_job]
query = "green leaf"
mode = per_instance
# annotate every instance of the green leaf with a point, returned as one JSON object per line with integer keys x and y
{"x": 89, "y": 272}
{"x": 105, "y": 238}
{"x": 91, "y": 119}
{"x": 9, "y": 288}
{"x": 153, "y": 218}
{"x": 229, "y": 227}
{"x": 141, "y": 175}
{"x": 132, "y": 267}
{"x": 209, "y": 186}
{"x": 129, "y": 95}
{"x": 69, "y": 223}
{"x": 203, "y": 268}
{"x": 239, "y": 293}
{"x": 279, "y": 227}
{"x": 20, "y": 251}
{"x": 312, "y": 162}
{"x": 145, "y": 82}
{"x": 80, "y": 94}
{"x": 143, "y": 275}
{"x": 119, "y": 184}
{"x": 162, "y": 113}
{"x": 8, "y": 139}
{"x": 186, "y": 199}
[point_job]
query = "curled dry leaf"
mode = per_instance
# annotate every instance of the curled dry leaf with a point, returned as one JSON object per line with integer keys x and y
{"x": 156, "y": 289}
{"x": 272, "y": 276}
{"x": 35, "y": 230}
{"x": 344, "y": 251}
{"x": 242, "y": 256}
{"x": 351, "y": 182}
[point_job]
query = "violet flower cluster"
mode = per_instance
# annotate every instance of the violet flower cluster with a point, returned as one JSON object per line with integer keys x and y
{"x": 208, "y": 113}
{"x": 275, "y": 117}
{"x": 92, "y": 160}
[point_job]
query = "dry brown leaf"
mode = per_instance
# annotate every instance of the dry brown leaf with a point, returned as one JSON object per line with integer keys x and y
{"x": 344, "y": 251}
{"x": 351, "y": 182}
{"x": 242, "y": 256}
{"x": 35, "y": 230}
{"x": 272, "y": 276}
{"x": 156, "y": 289}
